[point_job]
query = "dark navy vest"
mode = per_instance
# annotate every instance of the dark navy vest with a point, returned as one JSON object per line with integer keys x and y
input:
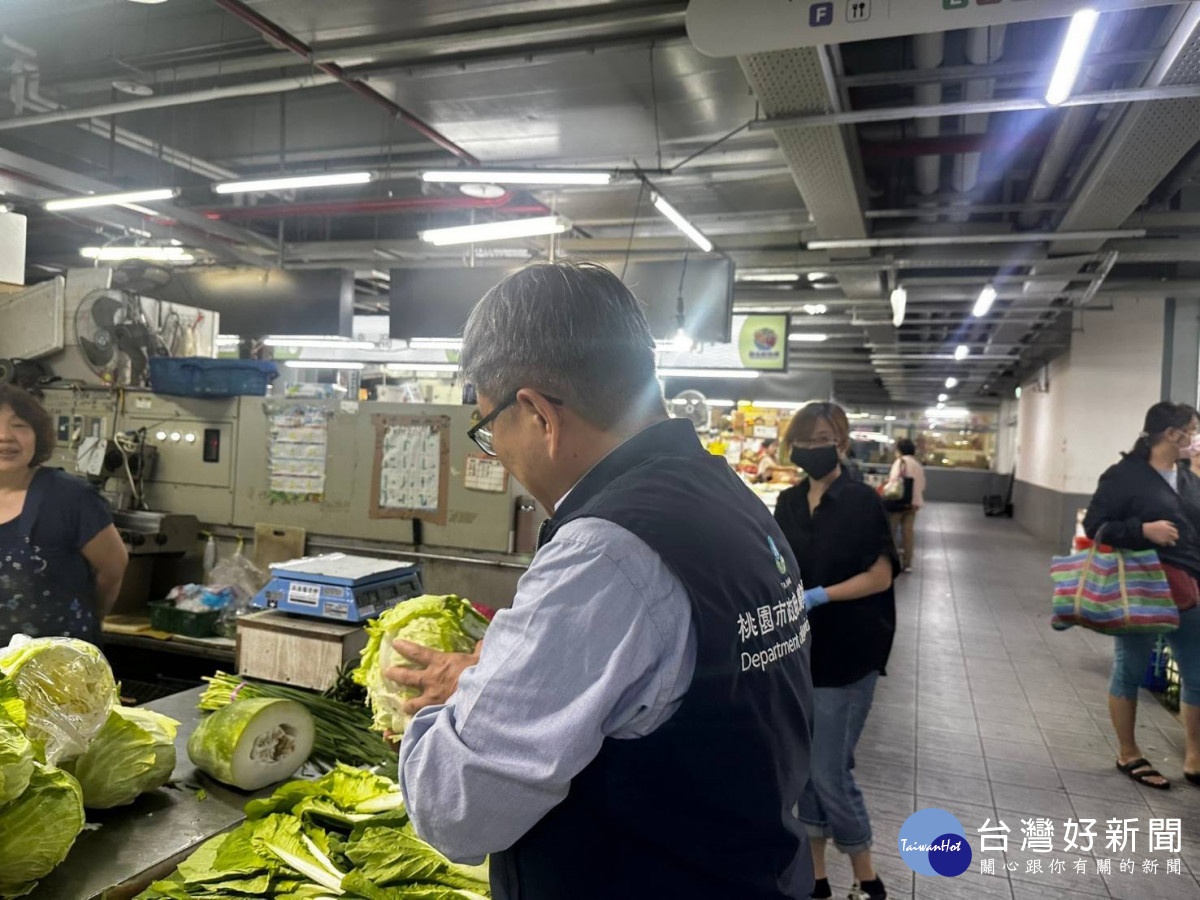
{"x": 701, "y": 807}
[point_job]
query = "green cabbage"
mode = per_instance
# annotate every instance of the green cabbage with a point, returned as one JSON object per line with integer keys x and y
{"x": 38, "y": 828}
{"x": 16, "y": 753}
{"x": 252, "y": 743}
{"x": 67, "y": 688}
{"x": 133, "y": 753}
{"x": 449, "y": 624}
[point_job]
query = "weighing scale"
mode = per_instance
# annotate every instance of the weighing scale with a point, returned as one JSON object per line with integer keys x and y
{"x": 339, "y": 586}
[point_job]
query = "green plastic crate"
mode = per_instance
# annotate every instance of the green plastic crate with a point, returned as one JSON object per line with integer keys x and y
{"x": 165, "y": 616}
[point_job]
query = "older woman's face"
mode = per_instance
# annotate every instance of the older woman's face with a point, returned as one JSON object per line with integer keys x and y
{"x": 17, "y": 441}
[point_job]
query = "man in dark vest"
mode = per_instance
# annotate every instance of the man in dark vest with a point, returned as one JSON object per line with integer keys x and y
{"x": 638, "y": 724}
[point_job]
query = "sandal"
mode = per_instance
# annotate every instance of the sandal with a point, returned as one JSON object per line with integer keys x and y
{"x": 1193, "y": 777}
{"x": 1139, "y": 770}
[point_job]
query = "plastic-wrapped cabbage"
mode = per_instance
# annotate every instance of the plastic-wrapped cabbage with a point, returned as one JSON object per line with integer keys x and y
{"x": 38, "y": 829}
{"x": 16, "y": 753}
{"x": 133, "y": 753}
{"x": 449, "y": 624}
{"x": 252, "y": 743}
{"x": 67, "y": 688}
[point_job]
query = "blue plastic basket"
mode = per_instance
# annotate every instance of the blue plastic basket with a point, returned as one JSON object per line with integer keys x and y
{"x": 198, "y": 376}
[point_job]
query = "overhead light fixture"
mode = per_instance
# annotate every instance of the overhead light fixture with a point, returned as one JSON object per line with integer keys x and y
{"x": 228, "y": 340}
{"x": 984, "y": 303}
{"x": 151, "y": 254}
{"x": 961, "y": 352}
{"x": 329, "y": 179}
{"x": 421, "y": 367}
{"x": 951, "y": 383}
{"x": 483, "y": 191}
{"x": 693, "y": 233}
{"x": 1070, "y": 56}
{"x": 941, "y": 405}
{"x": 946, "y": 412}
{"x": 538, "y": 226}
{"x": 133, "y": 88}
{"x": 889, "y": 418}
{"x": 435, "y": 343}
{"x": 324, "y": 364}
{"x": 942, "y": 398}
{"x": 815, "y": 309}
{"x": 547, "y": 177}
{"x": 709, "y": 373}
{"x": 817, "y": 276}
{"x": 682, "y": 342}
{"x": 768, "y": 276}
{"x": 899, "y": 304}
{"x": 148, "y": 2}
{"x": 318, "y": 343}
{"x": 90, "y": 200}
{"x": 809, "y": 337}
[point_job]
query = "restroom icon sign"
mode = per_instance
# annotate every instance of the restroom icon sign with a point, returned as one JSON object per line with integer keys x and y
{"x": 858, "y": 10}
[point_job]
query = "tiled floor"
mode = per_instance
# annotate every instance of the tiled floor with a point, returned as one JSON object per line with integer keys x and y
{"x": 990, "y": 714}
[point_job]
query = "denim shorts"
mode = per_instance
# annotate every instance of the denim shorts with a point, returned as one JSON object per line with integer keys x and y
{"x": 1131, "y": 658}
{"x": 832, "y": 805}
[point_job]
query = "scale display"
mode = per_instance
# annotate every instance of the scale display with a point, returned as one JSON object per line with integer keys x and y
{"x": 339, "y": 586}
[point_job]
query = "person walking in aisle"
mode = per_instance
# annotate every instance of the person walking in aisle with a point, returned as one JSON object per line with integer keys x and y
{"x": 904, "y": 521}
{"x": 1149, "y": 500}
{"x": 839, "y": 531}
{"x": 638, "y": 724}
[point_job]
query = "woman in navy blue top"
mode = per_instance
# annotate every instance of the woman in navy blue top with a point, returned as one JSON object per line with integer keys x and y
{"x": 61, "y": 559}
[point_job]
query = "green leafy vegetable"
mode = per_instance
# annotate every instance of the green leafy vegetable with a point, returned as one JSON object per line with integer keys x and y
{"x": 388, "y": 856}
{"x": 445, "y": 623}
{"x": 16, "y": 753}
{"x": 346, "y": 797}
{"x": 253, "y": 743}
{"x": 343, "y": 729}
{"x": 38, "y": 829}
{"x": 67, "y": 689}
{"x": 133, "y": 753}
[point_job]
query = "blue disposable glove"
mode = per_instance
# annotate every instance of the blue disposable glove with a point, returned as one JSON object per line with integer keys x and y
{"x": 814, "y": 597}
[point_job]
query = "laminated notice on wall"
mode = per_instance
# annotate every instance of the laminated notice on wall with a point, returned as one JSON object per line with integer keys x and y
{"x": 484, "y": 473}
{"x": 411, "y": 467}
{"x": 297, "y": 444}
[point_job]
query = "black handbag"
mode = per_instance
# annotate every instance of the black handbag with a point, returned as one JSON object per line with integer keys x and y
{"x": 899, "y": 501}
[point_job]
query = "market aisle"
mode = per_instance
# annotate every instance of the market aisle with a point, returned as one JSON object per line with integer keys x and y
{"x": 1010, "y": 722}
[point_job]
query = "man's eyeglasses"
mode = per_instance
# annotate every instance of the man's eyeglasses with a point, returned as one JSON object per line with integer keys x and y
{"x": 482, "y": 433}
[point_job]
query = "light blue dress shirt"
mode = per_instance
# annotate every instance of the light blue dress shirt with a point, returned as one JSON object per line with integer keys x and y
{"x": 599, "y": 643}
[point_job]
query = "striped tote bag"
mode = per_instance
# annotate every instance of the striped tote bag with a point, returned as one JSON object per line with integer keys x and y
{"x": 1112, "y": 591}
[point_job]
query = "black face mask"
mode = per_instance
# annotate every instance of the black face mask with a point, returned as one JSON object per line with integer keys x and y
{"x": 817, "y": 462}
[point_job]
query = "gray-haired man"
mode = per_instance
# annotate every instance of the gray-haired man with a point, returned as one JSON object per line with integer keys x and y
{"x": 637, "y": 725}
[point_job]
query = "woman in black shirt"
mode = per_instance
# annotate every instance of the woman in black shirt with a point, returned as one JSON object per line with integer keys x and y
{"x": 839, "y": 532}
{"x": 1150, "y": 501}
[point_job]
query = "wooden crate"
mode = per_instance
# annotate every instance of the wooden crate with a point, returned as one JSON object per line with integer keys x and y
{"x": 275, "y": 646}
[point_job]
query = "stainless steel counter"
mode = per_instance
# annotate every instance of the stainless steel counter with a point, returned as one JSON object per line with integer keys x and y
{"x": 153, "y": 831}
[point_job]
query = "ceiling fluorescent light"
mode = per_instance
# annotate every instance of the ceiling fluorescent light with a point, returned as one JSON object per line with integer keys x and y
{"x": 899, "y": 304}
{"x": 421, "y": 367}
{"x": 324, "y": 364}
{"x": 1070, "y": 56}
{"x": 693, "y": 233}
{"x": 986, "y": 298}
{"x": 942, "y": 398}
{"x": 548, "y": 177}
{"x": 90, "y": 200}
{"x": 318, "y": 343}
{"x": 816, "y": 276}
{"x": 961, "y": 352}
{"x": 951, "y": 383}
{"x": 435, "y": 343}
{"x": 946, "y": 412}
{"x": 228, "y": 340}
{"x": 153, "y": 254}
{"x": 768, "y": 276}
{"x": 815, "y": 309}
{"x": 889, "y": 418}
{"x": 330, "y": 179}
{"x": 496, "y": 231}
{"x": 810, "y": 337}
{"x": 709, "y": 373}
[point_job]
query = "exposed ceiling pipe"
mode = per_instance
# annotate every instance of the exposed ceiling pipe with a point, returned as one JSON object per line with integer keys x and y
{"x": 984, "y": 46}
{"x": 275, "y": 33}
{"x": 206, "y": 95}
{"x": 367, "y": 207}
{"x": 928, "y": 53}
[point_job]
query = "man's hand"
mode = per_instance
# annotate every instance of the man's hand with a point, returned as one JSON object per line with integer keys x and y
{"x": 437, "y": 678}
